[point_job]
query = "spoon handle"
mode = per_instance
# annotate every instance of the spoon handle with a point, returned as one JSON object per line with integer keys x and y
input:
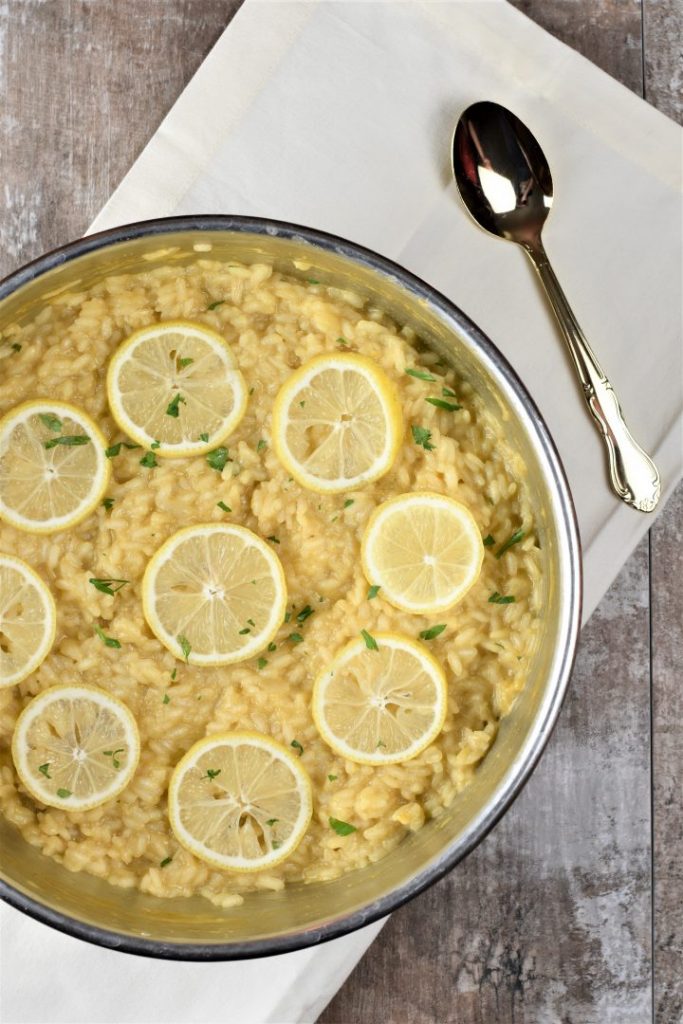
{"x": 633, "y": 474}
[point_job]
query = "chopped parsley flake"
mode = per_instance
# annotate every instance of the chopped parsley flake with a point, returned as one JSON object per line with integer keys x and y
{"x": 154, "y": 445}
{"x": 497, "y": 598}
{"x": 261, "y": 445}
{"x": 276, "y": 844}
{"x": 211, "y": 773}
{"x": 296, "y": 638}
{"x": 204, "y": 437}
{"x": 108, "y": 641}
{"x": 174, "y": 673}
{"x": 370, "y": 641}
{"x": 165, "y": 862}
{"x": 373, "y": 591}
{"x": 183, "y": 362}
{"x": 313, "y": 280}
{"x": 70, "y": 440}
{"x": 297, "y": 746}
{"x": 221, "y": 504}
{"x": 288, "y": 616}
{"x": 261, "y": 663}
{"x": 166, "y": 699}
{"x": 63, "y": 793}
{"x": 489, "y": 541}
{"x": 245, "y": 630}
{"x": 273, "y": 538}
{"x": 305, "y": 613}
{"x": 422, "y": 436}
{"x": 217, "y": 458}
{"x": 112, "y": 754}
{"x": 510, "y": 542}
{"x": 349, "y": 502}
{"x": 441, "y": 403}
{"x": 108, "y": 586}
{"x": 50, "y": 421}
{"x": 108, "y": 503}
{"x": 149, "y": 460}
{"x": 215, "y": 305}
{"x": 342, "y": 828}
{"x": 16, "y": 347}
{"x": 272, "y": 821}
{"x": 432, "y": 632}
{"x": 115, "y": 449}
{"x": 44, "y": 769}
{"x": 272, "y": 647}
{"x": 420, "y": 374}
{"x": 173, "y": 407}
{"x": 447, "y": 393}
{"x": 185, "y": 646}
{"x": 333, "y": 778}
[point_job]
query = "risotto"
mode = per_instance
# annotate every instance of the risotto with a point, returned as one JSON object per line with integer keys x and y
{"x": 274, "y": 324}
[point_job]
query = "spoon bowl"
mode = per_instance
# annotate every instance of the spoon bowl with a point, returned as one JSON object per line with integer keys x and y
{"x": 505, "y": 183}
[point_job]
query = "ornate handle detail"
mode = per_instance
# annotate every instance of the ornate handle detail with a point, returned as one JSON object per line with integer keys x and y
{"x": 633, "y": 474}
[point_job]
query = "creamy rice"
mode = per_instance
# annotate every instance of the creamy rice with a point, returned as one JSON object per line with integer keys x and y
{"x": 273, "y": 324}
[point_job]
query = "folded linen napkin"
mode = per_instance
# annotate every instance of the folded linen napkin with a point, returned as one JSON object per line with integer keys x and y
{"x": 339, "y": 115}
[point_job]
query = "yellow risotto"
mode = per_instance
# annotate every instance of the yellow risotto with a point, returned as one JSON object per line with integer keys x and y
{"x": 274, "y": 325}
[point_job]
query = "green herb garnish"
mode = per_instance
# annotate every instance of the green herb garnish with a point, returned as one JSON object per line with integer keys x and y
{"x": 261, "y": 445}
{"x": 217, "y": 458}
{"x": 173, "y": 407}
{"x": 272, "y": 821}
{"x": 313, "y": 280}
{"x": 273, "y": 538}
{"x": 276, "y": 844}
{"x": 432, "y": 632}
{"x": 305, "y": 613}
{"x": 174, "y": 673}
{"x": 183, "y": 362}
{"x": 154, "y": 445}
{"x": 221, "y": 504}
{"x": 441, "y": 403}
{"x": 108, "y": 641}
{"x": 211, "y": 773}
{"x": 421, "y": 375}
{"x": 63, "y": 793}
{"x": 204, "y": 437}
{"x": 510, "y": 542}
{"x": 112, "y": 754}
{"x": 50, "y": 421}
{"x": 70, "y": 440}
{"x": 297, "y": 746}
{"x": 215, "y": 305}
{"x": 149, "y": 460}
{"x": 242, "y": 632}
{"x": 349, "y": 502}
{"x": 447, "y": 393}
{"x": 296, "y": 638}
{"x": 108, "y": 586}
{"x": 497, "y": 598}
{"x": 166, "y": 699}
{"x": 185, "y": 646}
{"x": 373, "y": 591}
{"x": 108, "y": 503}
{"x": 16, "y": 347}
{"x": 44, "y": 769}
{"x": 165, "y": 862}
{"x": 261, "y": 663}
{"x": 489, "y": 541}
{"x": 422, "y": 436}
{"x": 288, "y": 616}
{"x": 333, "y": 778}
{"x": 115, "y": 449}
{"x": 272, "y": 647}
{"x": 342, "y": 828}
{"x": 370, "y": 641}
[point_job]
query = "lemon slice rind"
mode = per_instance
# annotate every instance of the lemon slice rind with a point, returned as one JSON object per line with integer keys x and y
{"x": 232, "y": 382}
{"x": 274, "y": 854}
{"x": 377, "y": 535}
{"x": 44, "y": 789}
{"x": 18, "y": 416}
{"x": 380, "y": 754}
{"x": 289, "y": 408}
{"x": 46, "y": 626}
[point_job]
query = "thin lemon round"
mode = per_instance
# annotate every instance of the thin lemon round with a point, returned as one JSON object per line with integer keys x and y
{"x": 53, "y": 470}
{"x": 337, "y": 423}
{"x": 380, "y": 706}
{"x": 176, "y": 385}
{"x": 240, "y": 801}
{"x": 28, "y": 619}
{"x": 424, "y": 550}
{"x": 214, "y": 594}
{"x": 75, "y": 747}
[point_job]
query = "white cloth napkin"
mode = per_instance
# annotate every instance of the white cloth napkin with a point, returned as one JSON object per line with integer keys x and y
{"x": 339, "y": 116}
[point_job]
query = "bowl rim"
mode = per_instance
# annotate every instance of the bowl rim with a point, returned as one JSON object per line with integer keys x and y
{"x": 571, "y": 542}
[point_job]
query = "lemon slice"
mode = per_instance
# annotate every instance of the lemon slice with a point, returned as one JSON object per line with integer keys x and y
{"x": 53, "y": 470}
{"x": 28, "y": 619}
{"x": 75, "y": 747}
{"x": 424, "y": 550}
{"x": 380, "y": 706}
{"x": 337, "y": 423}
{"x": 176, "y": 383}
{"x": 240, "y": 801}
{"x": 214, "y": 594}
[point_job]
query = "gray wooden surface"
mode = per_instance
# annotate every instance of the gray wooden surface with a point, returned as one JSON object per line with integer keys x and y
{"x": 570, "y": 911}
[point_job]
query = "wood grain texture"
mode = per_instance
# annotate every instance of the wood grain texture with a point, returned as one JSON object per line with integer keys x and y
{"x": 551, "y": 918}
{"x": 666, "y": 544}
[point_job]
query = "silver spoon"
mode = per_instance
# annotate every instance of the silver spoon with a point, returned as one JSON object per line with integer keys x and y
{"x": 505, "y": 183}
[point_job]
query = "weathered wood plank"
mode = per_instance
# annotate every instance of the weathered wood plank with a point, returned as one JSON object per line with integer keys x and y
{"x": 549, "y": 919}
{"x": 663, "y": 45}
{"x": 666, "y": 539}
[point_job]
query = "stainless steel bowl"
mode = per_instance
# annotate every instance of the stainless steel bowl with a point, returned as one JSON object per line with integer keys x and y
{"x": 302, "y": 915}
